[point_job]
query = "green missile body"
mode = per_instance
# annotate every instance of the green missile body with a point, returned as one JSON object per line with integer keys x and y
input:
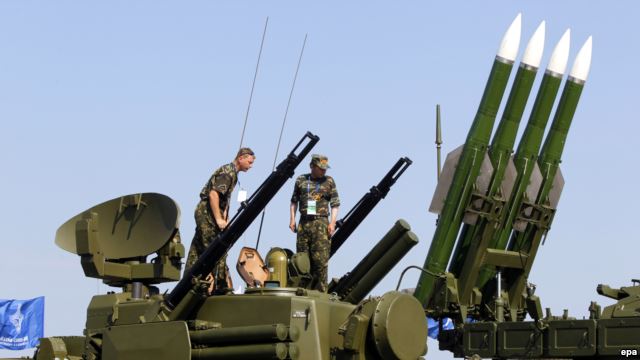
{"x": 469, "y": 164}
{"x": 550, "y": 156}
{"x": 529, "y": 146}
{"x": 502, "y": 147}
{"x": 539, "y": 214}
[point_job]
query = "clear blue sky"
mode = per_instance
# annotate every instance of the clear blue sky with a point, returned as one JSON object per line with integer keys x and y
{"x": 101, "y": 99}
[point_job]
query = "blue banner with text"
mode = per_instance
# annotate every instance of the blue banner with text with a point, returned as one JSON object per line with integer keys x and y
{"x": 21, "y": 323}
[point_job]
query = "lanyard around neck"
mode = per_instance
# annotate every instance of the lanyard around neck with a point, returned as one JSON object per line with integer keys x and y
{"x": 317, "y": 185}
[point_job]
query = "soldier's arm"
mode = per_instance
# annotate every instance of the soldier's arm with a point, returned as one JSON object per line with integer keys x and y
{"x": 335, "y": 206}
{"x": 334, "y": 217}
{"x": 295, "y": 197}
{"x": 334, "y": 200}
{"x": 214, "y": 203}
{"x": 292, "y": 216}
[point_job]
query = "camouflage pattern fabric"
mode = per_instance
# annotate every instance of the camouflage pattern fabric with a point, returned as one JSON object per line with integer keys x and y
{"x": 320, "y": 161}
{"x": 206, "y": 231}
{"x": 223, "y": 181}
{"x": 322, "y": 190}
{"x": 313, "y": 238}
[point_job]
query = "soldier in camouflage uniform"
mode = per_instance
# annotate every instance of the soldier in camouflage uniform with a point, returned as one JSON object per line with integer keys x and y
{"x": 212, "y": 212}
{"x": 313, "y": 194}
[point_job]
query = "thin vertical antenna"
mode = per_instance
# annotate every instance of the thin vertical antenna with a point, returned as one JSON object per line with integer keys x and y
{"x": 253, "y": 85}
{"x": 284, "y": 121}
{"x": 438, "y": 138}
{"x": 286, "y": 112}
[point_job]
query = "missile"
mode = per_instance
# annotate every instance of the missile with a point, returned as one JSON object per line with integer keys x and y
{"x": 538, "y": 215}
{"x": 526, "y": 155}
{"x": 502, "y": 145}
{"x": 551, "y": 153}
{"x": 468, "y": 165}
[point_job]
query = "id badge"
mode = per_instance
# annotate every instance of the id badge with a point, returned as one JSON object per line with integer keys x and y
{"x": 311, "y": 207}
{"x": 242, "y": 195}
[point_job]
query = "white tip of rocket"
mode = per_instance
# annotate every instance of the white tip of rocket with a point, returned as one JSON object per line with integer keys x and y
{"x": 511, "y": 40}
{"x": 582, "y": 63}
{"x": 560, "y": 55}
{"x": 533, "y": 53}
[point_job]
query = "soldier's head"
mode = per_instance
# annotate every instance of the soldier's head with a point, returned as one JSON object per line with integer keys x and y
{"x": 319, "y": 165}
{"x": 244, "y": 159}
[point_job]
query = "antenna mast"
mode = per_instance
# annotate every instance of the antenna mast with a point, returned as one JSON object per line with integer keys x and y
{"x": 253, "y": 85}
{"x": 284, "y": 120}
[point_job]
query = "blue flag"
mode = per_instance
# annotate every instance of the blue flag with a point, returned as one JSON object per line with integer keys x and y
{"x": 434, "y": 328}
{"x": 21, "y": 323}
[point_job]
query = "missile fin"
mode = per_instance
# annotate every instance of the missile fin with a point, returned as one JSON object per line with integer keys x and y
{"x": 535, "y": 182}
{"x": 445, "y": 180}
{"x": 531, "y": 194}
{"x": 509, "y": 179}
{"x": 481, "y": 188}
{"x": 556, "y": 189}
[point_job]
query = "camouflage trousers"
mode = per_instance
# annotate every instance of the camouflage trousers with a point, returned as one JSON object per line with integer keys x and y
{"x": 206, "y": 231}
{"x": 313, "y": 238}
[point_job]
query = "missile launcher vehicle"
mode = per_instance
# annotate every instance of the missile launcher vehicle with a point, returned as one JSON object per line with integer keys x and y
{"x": 278, "y": 317}
{"x": 495, "y": 210}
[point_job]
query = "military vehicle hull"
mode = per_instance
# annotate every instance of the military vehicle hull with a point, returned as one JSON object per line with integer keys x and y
{"x": 265, "y": 323}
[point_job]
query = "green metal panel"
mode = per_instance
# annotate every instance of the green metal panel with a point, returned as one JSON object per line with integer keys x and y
{"x": 569, "y": 338}
{"x": 60, "y": 347}
{"x": 480, "y": 338}
{"x": 519, "y": 340}
{"x": 101, "y": 308}
{"x": 616, "y": 335}
{"x": 236, "y": 310}
{"x": 158, "y": 341}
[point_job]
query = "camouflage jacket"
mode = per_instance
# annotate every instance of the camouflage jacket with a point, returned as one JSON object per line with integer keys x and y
{"x": 223, "y": 181}
{"x": 322, "y": 190}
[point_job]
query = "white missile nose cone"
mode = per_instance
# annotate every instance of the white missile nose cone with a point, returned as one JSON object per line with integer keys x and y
{"x": 511, "y": 40}
{"x": 582, "y": 63}
{"x": 535, "y": 47}
{"x": 560, "y": 55}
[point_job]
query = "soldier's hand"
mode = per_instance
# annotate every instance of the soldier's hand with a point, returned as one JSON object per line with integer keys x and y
{"x": 221, "y": 223}
{"x": 332, "y": 228}
{"x": 212, "y": 283}
{"x": 292, "y": 226}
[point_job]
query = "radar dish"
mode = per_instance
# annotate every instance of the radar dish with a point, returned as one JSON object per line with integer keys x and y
{"x": 128, "y": 226}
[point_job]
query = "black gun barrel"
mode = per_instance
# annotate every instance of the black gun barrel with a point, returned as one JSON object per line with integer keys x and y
{"x": 248, "y": 212}
{"x": 354, "y": 217}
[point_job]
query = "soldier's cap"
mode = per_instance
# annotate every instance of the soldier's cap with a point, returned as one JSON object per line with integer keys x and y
{"x": 244, "y": 151}
{"x": 320, "y": 161}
